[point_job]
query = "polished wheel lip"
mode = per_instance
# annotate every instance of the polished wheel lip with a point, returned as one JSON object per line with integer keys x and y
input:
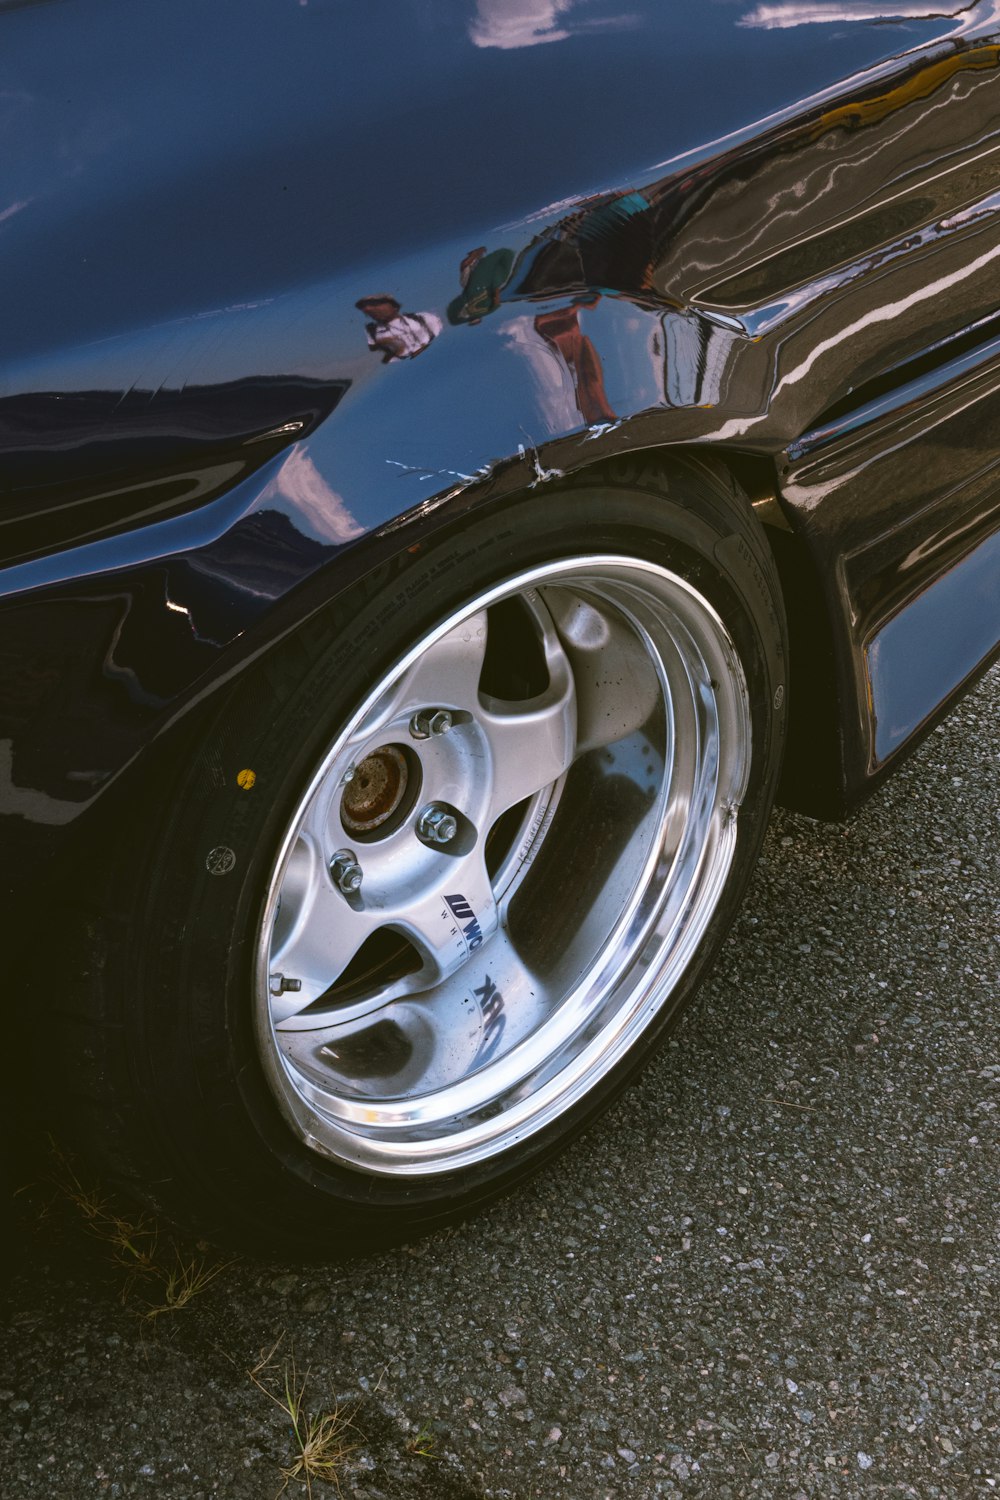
{"x": 482, "y": 1113}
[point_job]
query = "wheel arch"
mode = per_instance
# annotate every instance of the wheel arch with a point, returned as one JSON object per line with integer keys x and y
{"x": 813, "y": 778}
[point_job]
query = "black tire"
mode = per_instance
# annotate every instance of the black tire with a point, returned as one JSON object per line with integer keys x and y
{"x": 174, "y": 1089}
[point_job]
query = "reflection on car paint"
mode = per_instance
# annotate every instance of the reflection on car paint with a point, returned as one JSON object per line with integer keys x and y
{"x": 696, "y": 359}
{"x": 483, "y": 277}
{"x": 510, "y": 24}
{"x": 395, "y": 334}
{"x": 560, "y": 327}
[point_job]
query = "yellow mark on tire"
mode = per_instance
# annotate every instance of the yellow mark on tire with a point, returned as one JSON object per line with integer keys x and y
{"x": 246, "y": 779}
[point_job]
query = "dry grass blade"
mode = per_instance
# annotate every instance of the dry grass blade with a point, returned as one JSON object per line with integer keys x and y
{"x": 184, "y": 1281}
{"x": 135, "y": 1243}
{"x": 324, "y": 1439}
{"x": 421, "y": 1445}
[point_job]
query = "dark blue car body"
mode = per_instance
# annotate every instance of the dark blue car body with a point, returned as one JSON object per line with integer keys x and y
{"x": 287, "y": 284}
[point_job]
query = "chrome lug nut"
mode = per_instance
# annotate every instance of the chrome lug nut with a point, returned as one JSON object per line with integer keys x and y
{"x": 436, "y": 825}
{"x": 345, "y": 872}
{"x": 430, "y": 721}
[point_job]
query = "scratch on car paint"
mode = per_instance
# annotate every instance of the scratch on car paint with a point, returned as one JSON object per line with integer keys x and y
{"x": 601, "y": 429}
{"x": 541, "y": 475}
{"x": 438, "y": 473}
{"x": 424, "y": 507}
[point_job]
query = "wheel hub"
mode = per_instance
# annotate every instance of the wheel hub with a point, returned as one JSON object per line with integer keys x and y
{"x": 376, "y": 790}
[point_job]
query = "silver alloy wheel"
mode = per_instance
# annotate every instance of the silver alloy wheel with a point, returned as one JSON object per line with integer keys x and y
{"x": 426, "y": 1002}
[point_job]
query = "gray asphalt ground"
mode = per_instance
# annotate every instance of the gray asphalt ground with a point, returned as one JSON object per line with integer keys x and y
{"x": 772, "y": 1270}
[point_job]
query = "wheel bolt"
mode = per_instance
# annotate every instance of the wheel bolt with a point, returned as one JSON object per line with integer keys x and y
{"x": 430, "y": 721}
{"x": 345, "y": 872}
{"x": 436, "y": 825}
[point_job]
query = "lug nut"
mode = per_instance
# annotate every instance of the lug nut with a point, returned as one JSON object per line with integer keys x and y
{"x": 430, "y": 721}
{"x": 345, "y": 872}
{"x": 436, "y": 825}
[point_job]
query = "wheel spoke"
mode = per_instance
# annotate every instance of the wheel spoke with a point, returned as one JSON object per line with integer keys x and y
{"x": 534, "y": 742}
{"x": 444, "y": 927}
{"x": 452, "y": 923}
{"x": 616, "y": 682}
{"x": 413, "y": 1042}
{"x": 446, "y": 675}
{"x": 327, "y": 934}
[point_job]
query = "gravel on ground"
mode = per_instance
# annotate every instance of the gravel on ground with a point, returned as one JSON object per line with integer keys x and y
{"x": 772, "y": 1269}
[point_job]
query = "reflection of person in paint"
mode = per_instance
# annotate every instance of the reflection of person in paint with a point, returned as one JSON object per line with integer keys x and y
{"x": 483, "y": 278}
{"x": 396, "y": 334}
{"x": 561, "y": 329}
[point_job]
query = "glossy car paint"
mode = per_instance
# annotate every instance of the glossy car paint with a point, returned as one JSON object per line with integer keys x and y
{"x": 574, "y": 231}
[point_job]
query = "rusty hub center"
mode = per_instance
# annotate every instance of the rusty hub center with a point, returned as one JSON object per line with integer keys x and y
{"x": 376, "y": 791}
